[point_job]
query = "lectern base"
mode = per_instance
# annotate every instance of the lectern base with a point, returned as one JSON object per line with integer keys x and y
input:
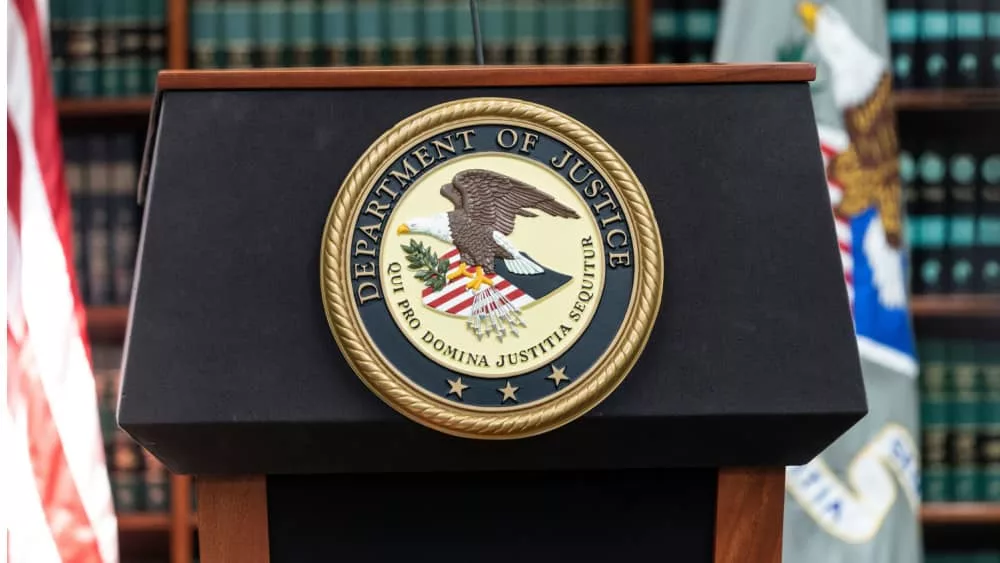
{"x": 707, "y": 515}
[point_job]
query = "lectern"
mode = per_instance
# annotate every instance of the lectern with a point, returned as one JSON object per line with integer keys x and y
{"x": 488, "y": 314}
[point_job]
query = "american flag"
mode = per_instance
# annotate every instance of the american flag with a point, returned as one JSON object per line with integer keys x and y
{"x": 56, "y": 490}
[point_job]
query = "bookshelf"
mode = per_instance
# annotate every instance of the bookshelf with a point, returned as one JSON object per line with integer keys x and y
{"x": 172, "y": 534}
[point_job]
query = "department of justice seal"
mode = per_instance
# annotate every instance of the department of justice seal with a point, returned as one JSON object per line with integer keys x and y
{"x": 491, "y": 268}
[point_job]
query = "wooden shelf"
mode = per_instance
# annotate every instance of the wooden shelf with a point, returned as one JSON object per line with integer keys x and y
{"x": 144, "y": 522}
{"x": 983, "y": 306}
{"x": 105, "y": 107}
{"x": 960, "y": 513}
{"x": 947, "y": 99}
{"x": 107, "y": 323}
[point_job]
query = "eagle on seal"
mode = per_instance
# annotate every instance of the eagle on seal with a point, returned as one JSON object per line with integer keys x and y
{"x": 486, "y": 205}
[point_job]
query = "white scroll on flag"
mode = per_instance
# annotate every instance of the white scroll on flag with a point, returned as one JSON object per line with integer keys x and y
{"x": 56, "y": 496}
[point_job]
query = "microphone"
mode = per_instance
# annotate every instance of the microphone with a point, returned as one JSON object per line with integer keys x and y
{"x": 476, "y": 35}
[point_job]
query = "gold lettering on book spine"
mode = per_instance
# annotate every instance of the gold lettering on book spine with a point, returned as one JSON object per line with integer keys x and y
{"x": 607, "y": 372}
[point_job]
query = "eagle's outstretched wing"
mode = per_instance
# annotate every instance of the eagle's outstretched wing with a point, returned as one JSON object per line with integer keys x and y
{"x": 493, "y": 199}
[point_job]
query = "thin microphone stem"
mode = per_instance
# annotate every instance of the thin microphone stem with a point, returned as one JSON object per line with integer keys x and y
{"x": 476, "y": 35}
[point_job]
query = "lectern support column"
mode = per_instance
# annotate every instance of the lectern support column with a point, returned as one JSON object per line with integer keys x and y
{"x": 232, "y": 519}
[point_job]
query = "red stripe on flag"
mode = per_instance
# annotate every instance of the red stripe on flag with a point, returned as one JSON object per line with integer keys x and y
{"x": 448, "y": 255}
{"x": 514, "y": 294}
{"x": 13, "y": 175}
{"x": 844, "y": 247}
{"x": 468, "y": 302}
{"x": 49, "y": 151}
{"x": 64, "y": 512}
{"x": 447, "y": 296}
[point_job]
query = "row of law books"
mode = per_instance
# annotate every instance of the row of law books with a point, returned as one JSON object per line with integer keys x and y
{"x": 960, "y": 420}
{"x": 139, "y": 482}
{"x": 684, "y": 31}
{"x": 971, "y": 556}
{"x": 106, "y": 48}
{"x": 945, "y": 43}
{"x": 953, "y": 217}
{"x": 101, "y": 176}
{"x": 289, "y": 33}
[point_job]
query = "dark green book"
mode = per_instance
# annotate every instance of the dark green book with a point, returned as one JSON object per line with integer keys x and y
{"x": 928, "y": 258}
{"x": 58, "y": 32}
{"x": 555, "y": 31}
{"x": 968, "y": 32}
{"x": 903, "y": 25}
{"x": 961, "y": 242}
{"x": 404, "y": 34}
{"x": 238, "y": 33}
{"x": 967, "y": 398}
{"x": 700, "y": 24}
{"x": 463, "y": 41}
{"x": 527, "y": 31}
{"x": 75, "y": 156}
{"x": 496, "y": 31}
{"x": 989, "y": 441}
{"x": 156, "y": 43}
{"x": 205, "y": 36}
{"x": 335, "y": 32}
{"x": 908, "y": 185}
{"x": 435, "y": 35}
{"x": 586, "y": 32}
{"x": 83, "y": 49}
{"x": 934, "y": 24}
{"x": 304, "y": 23}
{"x": 666, "y": 31}
{"x": 132, "y": 48}
{"x": 272, "y": 33}
{"x": 126, "y": 477}
{"x": 991, "y": 76}
{"x": 934, "y": 421}
{"x": 988, "y": 224}
{"x": 156, "y": 484}
{"x": 369, "y": 26}
{"x": 124, "y": 217}
{"x": 99, "y": 220}
{"x": 615, "y": 31}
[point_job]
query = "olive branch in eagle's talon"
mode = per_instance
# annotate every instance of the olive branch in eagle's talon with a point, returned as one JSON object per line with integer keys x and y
{"x": 430, "y": 269}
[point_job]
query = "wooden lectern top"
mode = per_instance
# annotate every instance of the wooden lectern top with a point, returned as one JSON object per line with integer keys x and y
{"x": 459, "y": 76}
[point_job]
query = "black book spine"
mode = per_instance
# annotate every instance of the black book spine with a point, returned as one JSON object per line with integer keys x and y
{"x": 75, "y": 155}
{"x": 929, "y": 263}
{"x": 962, "y": 222}
{"x": 58, "y": 31}
{"x": 934, "y": 43}
{"x": 903, "y": 26}
{"x": 988, "y": 224}
{"x": 969, "y": 35}
{"x": 665, "y": 31}
{"x": 992, "y": 66}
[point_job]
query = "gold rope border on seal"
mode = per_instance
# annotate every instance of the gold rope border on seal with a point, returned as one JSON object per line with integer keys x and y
{"x": 382, "y": 377}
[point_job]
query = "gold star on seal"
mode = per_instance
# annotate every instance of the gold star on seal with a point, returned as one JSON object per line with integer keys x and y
{"x": 457, "y": 387}
{"x": 508, "y": 392}
{"x": 558, "y": 375}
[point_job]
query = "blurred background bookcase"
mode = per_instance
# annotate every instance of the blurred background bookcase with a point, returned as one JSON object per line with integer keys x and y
{"x": 106, "y": 54}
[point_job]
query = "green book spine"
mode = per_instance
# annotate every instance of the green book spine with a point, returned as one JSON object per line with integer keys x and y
{"x": 992, "y": 72}
{"x": 272, "y": 32}
{"x": 237, "y": 33}
{"x": 436, "y": 35}
{"x": 125, "y": 216}
{"x": 463, "y": 42}
{"x": 968, "y": 35}
{"x": 58, "y": 28}
{"x": 83, "y": 49}
{"x": 933, "y": 38}
{"x": 700, "y": 24}
{"x": 989, "y": 442}
{"x": 496, "y": 32}
{"x": 666, "y": 27}
{"x": 204, "y": 35}
{"x": 586, "y": 36}
{"x": 403, "y": 18}
{"x": 99, "y": 195}
{"x": 132, "y": 46}
{"x": 962, "y": 223}
{"x": 156, "y": 484}
{"x": 156, "y": 43}
{"x": 368, "y": 16}
{"x": 935, "y": 416}
{"x": 335, "y": 32}
{"x": 555, "y": 32}
{"x": 929, "y": 258}
{"x": 110, "y": 37}
{"x": 615, "y": 31}
{"x": 903, "y": 24}
{"x": 988, "y": 224}
{"x": 127, "y": 474}
{"x": 304, "y": 23}
{"x": 966, "y": 401}
{"x": 907, "y": 180}
{"x": 527, "y": 31}
{"x": 75, "y": 154}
